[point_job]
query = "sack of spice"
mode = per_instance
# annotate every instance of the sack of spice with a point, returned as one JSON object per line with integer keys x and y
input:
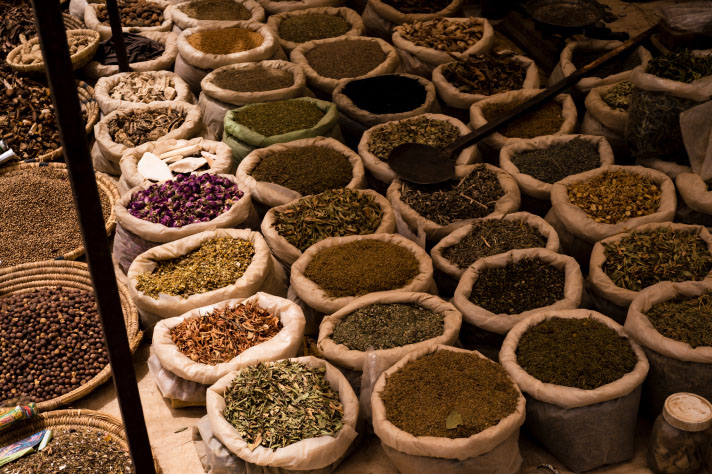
{"x": 607, "y": 111}
{"x": 274, "y": 7}
{"x": 695, "y": 192}
{"x": 462, "y": 83}
{"x": 327, "y": 62}
{"x": 624, "y": 264}
{"x": 122, "y": 130}
{"x": 261, "y": 125}
{"x": 423, "y": 45}
{"x": 583, "y": 379}
{"x": 200, "y": 270}
{"x": 317, "y": 426}
{"x": 671, "y": 321}
{"x": 142, "y": 57}
{"x": 300, "y": 26}
{"x": 431, "y": 129}
{"x": 292, "y": 228}
{"x": 126, "y": 89}
{"x": 476, "y": 191}
{"x": 136, "y": 16}
{"x": 215, "y": 13}
{"x": 380, "y": 17}
{"x": 284, "y": 172}
{"x": 556, "y": 117}
{"x": 446, "y": 410}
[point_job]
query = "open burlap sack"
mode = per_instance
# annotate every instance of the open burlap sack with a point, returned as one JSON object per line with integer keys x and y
{"x": 353, "y": 19}
{"x": 509, "y": 202}
{"x": 104, "y": 29}
{"x": 497, "y": 140}
{"x": 694, "y": 192}
{"x": 287, "y": 253}
{"x": 274, "y": 7}
{"x": 380, "y": 19}
{"x": 493, "y": 450}
{"x": 584, "y": 429}
{"x": 184, "y": 21}
{"x": 328, "y": 84}
{"x": 104, "y": 86}
{"x": 130, "y": 177}
{"x": 528, "y": 184}
{"x": 383, "y": 173}
{"x": 610, "y": 118}
{"x": 311, "y": 456}
{"x": 263, "y": 274}
{"x": 164, "y": 62}
{"x": 503, "y": 322}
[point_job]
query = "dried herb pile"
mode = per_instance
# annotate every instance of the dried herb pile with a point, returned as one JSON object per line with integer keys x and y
{"x": 136, "y": 127}
{"x": 347, "y": 58}
{"x": 138, "y": 48}
{"x": 144, "y": 87}
{"x": 687, "y": 320}
{"x": 426, "y": 131}
{"x": 276, "y": 118}
{"x": 303, "y": 28}
{"x": 682, "y": 66}
{"x": 618, "y": 97}
{"x": 225, "y": 40}
{"x": 485, "y": 74}
{"x": 134, "y": 13}
{"x": 544, "y": 120}
{"x": 221, "y": 10}
{"x": 257, "y": 79}
{"x": 558, "y": 161}
{"x": 443, "y": 34}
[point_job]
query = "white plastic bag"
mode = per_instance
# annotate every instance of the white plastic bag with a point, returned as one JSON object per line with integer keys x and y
{"x": 696, "y": 128}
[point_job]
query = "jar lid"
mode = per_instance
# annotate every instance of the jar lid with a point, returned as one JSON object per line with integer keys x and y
{"x": 688, "y": 412}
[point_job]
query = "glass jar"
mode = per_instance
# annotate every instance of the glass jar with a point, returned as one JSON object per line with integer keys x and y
{"x": 681, "y": 435}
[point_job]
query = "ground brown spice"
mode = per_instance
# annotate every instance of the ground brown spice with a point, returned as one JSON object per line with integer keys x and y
{"x": 225, "y": 40}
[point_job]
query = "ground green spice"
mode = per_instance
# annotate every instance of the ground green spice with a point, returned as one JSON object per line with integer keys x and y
{"x": 361, "y": 267}
{"x": 276, "y": 118}
{"x": 303, "y": 28}
{"x": 257, "y": 79}
{"x": 306, "y": 170}
{"x": 558, "y": 161}
{"x": 426, "y": 131}
{"x": 449, "y": 395}
{"x": 384, "y": 326}
{"x": 347, "y": 58}
{"x": 545, "y": 120}
{"x": 618, "y": 97}
{"x": 217, "y": 263}
{"x": 581, "y": 353}
{"x": 687, "y": 320}
{"x": 222, "y": 10}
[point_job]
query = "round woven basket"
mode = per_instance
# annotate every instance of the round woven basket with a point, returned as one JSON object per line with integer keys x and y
{"x": 72, "y": 22}
{"x": 79, "y": 59}
{"x": 50, "y": 273}
{"x": 103, "y": 182}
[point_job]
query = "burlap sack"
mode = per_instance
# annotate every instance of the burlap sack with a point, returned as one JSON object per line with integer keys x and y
{"x": 461, "y": 100}
{"x": 104, "y": 86}
{"x": 509, "y": 202}
{"x": 328, "y": 84}
{"x": 380, "y": 19}
{"x": 493, "y": 450}
{"x": 610, "y": 118}
{"x": 273, "y": 7}
{"x": 104, "y": 29}
{"x": 311, "y": 456}
{"x": 693, "y": 191}
{"x": 383, "y": 173}
{"x": 697, "y": 136}
{"x": 113, "y": 151}
{"x": 287, "y": 253}
{"x": 263, "y": 274}
{"x": 317, "y": 299}
{"x": 213, "y": 113}
{"x": 353, "y": 19}
{"x": 497, "y": 140}
{"x": 130, "y": 177}
{"x": 422, "y": 60}
{"x": 528, "y": 184}
{"x": 583, "y": 429}
{"x": 183, "y": 21}
{"x": 270, "y": 194}
{"x": 164, "y": 62}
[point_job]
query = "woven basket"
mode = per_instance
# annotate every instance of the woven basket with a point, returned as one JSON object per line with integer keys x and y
{"x": 72, "y": 22}
{"x": 28, "y": 276}
{"x": 79, "y": 59}
{"x": 103, "y": 182}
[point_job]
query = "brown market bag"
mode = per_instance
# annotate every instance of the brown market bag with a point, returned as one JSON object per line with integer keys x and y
{"x": 493, "y": 450}
{"x": 173, "y": 83}
{"x": 380, "y": 19}
{"x": 104, "y": 29}
{"x": 263, "y": 274}
{"x": 674, "y": 365}
{"x": 183, "y": 21}
{"x": 273, "y": 7}
{"x": 351, "y": 17}
{"x": 583, "y": 429}
{"x": 509, "y": 202}
{"x": 319, "y": 455}
{"x": 287, "y": 253}
{"x": 694, "y": 192}
{"x": 497, "y": 140}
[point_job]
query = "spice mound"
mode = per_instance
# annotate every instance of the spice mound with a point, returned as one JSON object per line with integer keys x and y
{"x": 644, "y": 258}
{"x": 624, "y": 62}
{"x": 558, "y": 161}
{"x": 687, "y": 320}
{"x": 545, "y": 120}
{"x": 443, "y": 34}
{"x": 449, "y": 395}
{"x": 580, "y": 353}
{"x": 185, "y": 200}
{"x": 334, "y": 213}
{"x": 224, "y": 333}
{"x": 257, "y": 79}
{"x": 144, "y": 87}
{"x": 361, "y": 267}
{"x": 306, "y": 170}
{"x": 217, "y": 263}
{"x": 136, "y": 127}
{"x": 276, "y": 118}
{"x": 618, "y": 96}
{"x": 518, "y": 287}
{"x": 303, "y": 28}
{"x": 134, "y": 13}
{"x": 682, "y": 66}
{"x": 490, "y": 237}
{"x": 384, "y": 326}
{"x": 38, "y": 220}
{"x": 418, "y": 6}
{"x": 347, "y": 58}
{"x": 138, "y": 48}
{"x": 486, "y": 74}
{"x": 472, "y": 196}
{"x": 225, "y": 40}
{"x": 51, "y": 343}
{"x": 221, "y": 10}
{"x": 615, "y": 196}
{"x": 423, "y": 130}
{"x": 386, "y": 94}
{"x": 265, "y": 414}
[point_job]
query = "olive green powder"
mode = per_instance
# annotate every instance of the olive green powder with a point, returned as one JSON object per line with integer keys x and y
{"x": 276, "y": 118}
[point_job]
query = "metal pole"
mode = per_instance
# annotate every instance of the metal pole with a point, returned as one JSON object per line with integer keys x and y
{"x": 117, "y": 35}
{"x": 60, "y": 76}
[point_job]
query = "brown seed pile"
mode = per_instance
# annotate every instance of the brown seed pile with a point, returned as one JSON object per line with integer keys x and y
{"x": 225, "y": 40}
{"x": 138, "y": 13}
{"x": 222, "y": 10}
{"x": 257, "y": 79}
{"x": 348, "y": 58}
{"x": 51, "y": 342}
{"x": 136, "y": 127}
{"x": 544, "y": 120}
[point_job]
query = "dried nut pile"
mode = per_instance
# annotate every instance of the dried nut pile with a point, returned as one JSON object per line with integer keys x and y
{"x": 32, "y": 53}
{"x": 137, "y": 127}
{"x": 443, "y": 34}
{"x": 137, "y": 13}
{"x": 144, "y": 87}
